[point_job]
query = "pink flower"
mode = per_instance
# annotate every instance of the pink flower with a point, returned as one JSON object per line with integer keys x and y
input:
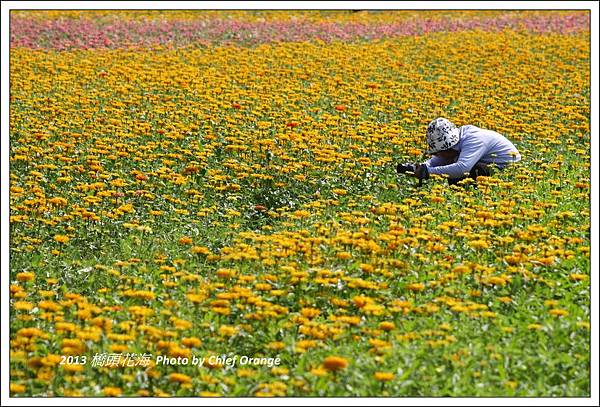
{"x": 113, "y": 32}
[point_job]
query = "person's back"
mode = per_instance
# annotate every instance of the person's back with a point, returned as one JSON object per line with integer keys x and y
{"x": 499, "y": 149}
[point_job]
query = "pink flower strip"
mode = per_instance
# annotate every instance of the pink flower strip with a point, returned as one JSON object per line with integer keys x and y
{"x": 62, "y": 34}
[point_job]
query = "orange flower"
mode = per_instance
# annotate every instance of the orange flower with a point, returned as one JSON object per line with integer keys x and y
{"x": 335, "y": 363}
{"x": 200, "y": 250}
{"x": 185, "y": 240}
{"x": 225, "y": 273}
{"x": 387, "y": 326}
{"x": 25, "y": 276}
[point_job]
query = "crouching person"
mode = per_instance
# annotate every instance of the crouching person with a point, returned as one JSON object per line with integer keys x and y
{"x": 459, "y": 153}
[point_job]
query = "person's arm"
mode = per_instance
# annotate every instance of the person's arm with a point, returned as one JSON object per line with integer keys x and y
{"x": 471, "y": 152}
{"x": 436, "y": 161}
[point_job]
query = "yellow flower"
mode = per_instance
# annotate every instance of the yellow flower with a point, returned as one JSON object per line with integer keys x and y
{"x": 361, "y": 301}
{"x": 25, "y": 276}
{"x": 17, "y": 388}
{"x": 367, "y": 268}
{"x": 112, "y": 391}
{"x": 61, "y": 238}
{"x": 49, "y": 306}
{"x": 384, "y": 376}
{"x": 280, "y": 371}
{"x": 310, "y": 312}
{"x": 558, "y": 312}
{"x": 209, "y": 394}
{"x": 181, "y": 324}
{"x": 343, "y": 255}
{"x": 497, "y": 280}
{"x": 72, "y": 368}
{"x": 145, "y": 295}
{"x": 118, "y": 348}
{"x": 30, "y": 332}
{"x": 479, "y": 244}
{"x": 179, "y": 378}
{"x": 227, "y": 330}
{"x": 225, "y": 273}
{"x": 461, "y": 269}
{"x": 415, "y": 287}
{"x": 318, "y": 371}
{"x": 195, "y": 298}
{"x": 192, "y": 342}
{"x": 276, "y": 345}
{"x": 263, "y": 286}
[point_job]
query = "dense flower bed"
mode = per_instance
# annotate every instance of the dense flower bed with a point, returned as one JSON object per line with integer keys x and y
{"x": 174, "y": 198}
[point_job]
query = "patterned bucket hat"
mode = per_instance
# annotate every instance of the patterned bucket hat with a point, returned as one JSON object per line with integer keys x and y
{"x": 442, "y": 134}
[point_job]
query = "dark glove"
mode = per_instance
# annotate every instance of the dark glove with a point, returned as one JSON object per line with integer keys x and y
{"x": 404, "y": 168}
{"x": 422, "y": 172}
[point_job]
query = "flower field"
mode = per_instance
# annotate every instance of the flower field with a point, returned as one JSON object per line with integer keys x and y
{"x": 193, "y": 184}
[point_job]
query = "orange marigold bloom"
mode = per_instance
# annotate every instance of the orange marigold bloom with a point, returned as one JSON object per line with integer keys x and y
{"x": 25, "y": 276}
{"x": 200, "y": 250}
{"x": 387, "y": 326}
{"x": 335, "y": 363}
{"x": 225, "y": 273}
{"x": 185, "y": 240}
